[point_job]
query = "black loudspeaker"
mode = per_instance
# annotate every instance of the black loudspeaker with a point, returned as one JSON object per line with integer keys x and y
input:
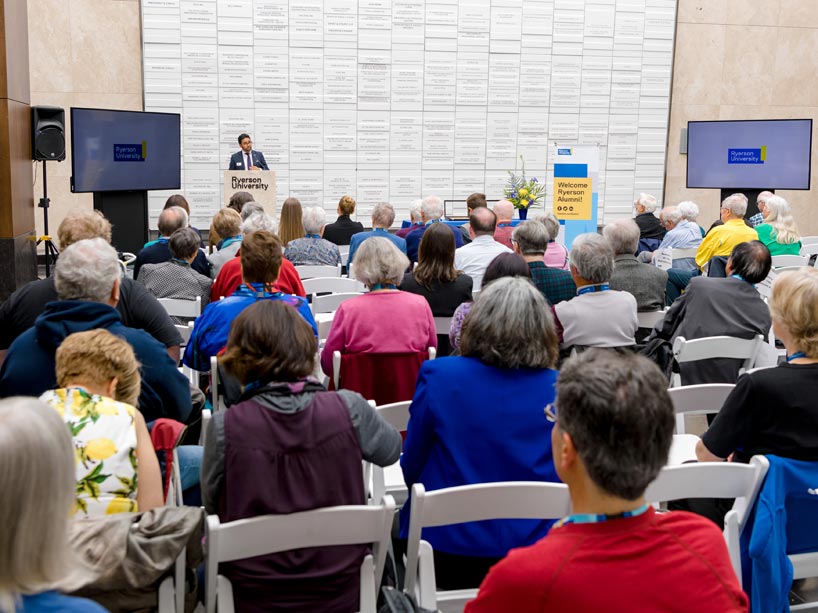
{"x": 47, "y": 133}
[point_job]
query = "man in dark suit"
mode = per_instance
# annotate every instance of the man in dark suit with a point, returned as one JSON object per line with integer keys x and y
{"x": 644, "y": 281}
{"x": 247, "y": 159}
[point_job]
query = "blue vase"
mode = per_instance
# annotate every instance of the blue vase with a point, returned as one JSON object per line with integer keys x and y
{"x": 523, "y": 213}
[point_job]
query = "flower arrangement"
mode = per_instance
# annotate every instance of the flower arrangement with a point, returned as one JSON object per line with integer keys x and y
{"x": 522, "y": 192}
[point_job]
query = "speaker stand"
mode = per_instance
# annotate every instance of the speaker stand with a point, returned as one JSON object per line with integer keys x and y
{"x": 51, "y": 251}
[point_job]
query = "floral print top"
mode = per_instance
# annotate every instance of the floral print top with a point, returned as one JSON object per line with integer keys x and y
{"x": 104, "y": 447}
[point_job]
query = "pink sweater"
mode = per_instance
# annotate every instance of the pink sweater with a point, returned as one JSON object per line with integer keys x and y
{"x": 383, "y": 322}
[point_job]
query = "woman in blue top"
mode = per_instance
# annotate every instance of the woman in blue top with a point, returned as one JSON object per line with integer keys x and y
{"x": 37, "y": 484}
{"x": 478, "y": 418}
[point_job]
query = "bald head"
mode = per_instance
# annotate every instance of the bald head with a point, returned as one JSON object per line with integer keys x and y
{"x": 171, "y": 220}
{"x": 482, "y": 221}
{"x": 504, "y": 210}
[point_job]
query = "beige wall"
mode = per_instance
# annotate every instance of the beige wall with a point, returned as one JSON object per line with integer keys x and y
{"x": 743, "y": 59}
{"x": 82, "y": 53}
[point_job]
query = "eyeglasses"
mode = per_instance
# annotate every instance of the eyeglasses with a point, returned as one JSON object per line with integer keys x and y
{"x": 551, "y": 412}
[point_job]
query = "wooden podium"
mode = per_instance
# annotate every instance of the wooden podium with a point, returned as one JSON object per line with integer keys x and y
{"x": 260, "y": 183}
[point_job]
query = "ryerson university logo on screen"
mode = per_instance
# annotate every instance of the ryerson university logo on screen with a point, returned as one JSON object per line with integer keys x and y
{"x": 747, "y": 156}
{"x": 131, "y": 152}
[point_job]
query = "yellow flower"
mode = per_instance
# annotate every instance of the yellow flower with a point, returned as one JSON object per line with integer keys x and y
{"x": 523, "y": 202}
{"x": 120, "y": 505}
{"x": 100, "y": 448}
{"x": 523, "y": 193}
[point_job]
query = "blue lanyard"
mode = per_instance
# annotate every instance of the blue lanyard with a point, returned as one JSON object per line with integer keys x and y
{"x": 795, "y": 356}
{"x": 259, "y": 290}
{"x": 180, "y": 261}
{"x": 740, "y": 278}
{"x": 378, "y": 286}
{"x": 593, "y": 518}
{"x": 588, "y": 289}
{"x": 505, "y": 224}
{"x": 226, "y": 242}
{"x": 431, "y": 221}
{"x": 313, "y": 236}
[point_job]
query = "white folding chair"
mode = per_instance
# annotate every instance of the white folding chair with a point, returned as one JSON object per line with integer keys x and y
{"x": 207, "y": 414}
{"x": 327, "y": 527}
{"x": 217, "y": 402}
{"x": 780, "y": 261}
{"x": 185, "y": 331}
{"x": 715, "y": 480}
{"x": 324, "y": 323}
{"x": 388, "y": 480}
{"x": 330, "y": 302}
{"x": 704, "y": 399}
{"x": 649, "y": 319}
{"x": 809, "y": 240}
{"x": 344, "y": 251}
{"x": 332, "y": 285}
{"x": 679, "y": 254}
{"x": 467, "y": 503}
{"x": 336, "y": 365}
{"x": 181, "y": 307}
{"x": 716, "y": 347}
{"x": 809, "y": 250}
{"x": 310, "y": 272}
{"x": 443, "y": 325}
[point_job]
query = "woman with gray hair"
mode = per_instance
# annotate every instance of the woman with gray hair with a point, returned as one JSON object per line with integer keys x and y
{"x": 384, "y": 320}
{"x": 598, "y": 316}
{"x": 464, "y": 429}
{"x": 37, "y": 481}
{"x": 312, "y": 249}
{"x": 779, "y": 232}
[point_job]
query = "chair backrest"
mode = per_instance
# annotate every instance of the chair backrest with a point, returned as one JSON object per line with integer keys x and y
{"x": 648, "y": 319}
{"x": 810, "y": 249}
{"x": 216, "y": 400}
{"x": 780, "y": 261}
{"x": 704, "y": 399}
{"x": 327, "y": 285}
{"x": 324, "y": 323}
{"x": 809, "y": 240}
{"x": 678, "y": 254}
{"x": 467, "y": 503}
{"x": 310, "y": 272}
{"x": 330, "y": 302}
{"x": 185, "y": 331}
{"x": 396, "y": 413}
{"x": 716, "y": 347}
{"x": 443, "y": 324}
{"x": 182, "y": 307}
{"x": 383, "y": 377}
{"x": 327, "y": 527}
{"x": 344, "y": 251}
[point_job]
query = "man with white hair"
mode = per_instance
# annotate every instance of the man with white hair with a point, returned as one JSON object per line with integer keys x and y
{"x": 383, "y": 214}
{"x": 313, "y": 250}
{"x": 651, "y": 231}
{"x": 644, "y": 282}
{"x": 229, "y": 277}
{"x": 88, "y": 277}
{"x": 504, "y": 210}
{"x": 681, "y": 234}
{"x": 156, "y": 252}
{"x": 415, "y": 218}
{"x": 761, "y": 203}
{"x": 431, "y": 211}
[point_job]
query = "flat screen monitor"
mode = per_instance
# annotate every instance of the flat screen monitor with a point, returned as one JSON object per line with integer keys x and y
{"x": 751, "y": 154}
{"x": 124, "y": 150}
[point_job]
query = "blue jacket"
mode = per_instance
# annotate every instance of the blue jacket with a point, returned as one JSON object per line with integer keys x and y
{"x": 360, "y": 237}
{"x": 29, "y": 367}
{"x": 474, "y": 423}
{"x": 413, "y": 240}
{"x": 781, "y": 523}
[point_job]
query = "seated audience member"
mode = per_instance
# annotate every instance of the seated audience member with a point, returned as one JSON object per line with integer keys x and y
{"x": 474, "y": 258}
{"x": 87, "y": 277}
{"x": 681, "y": 234}
{"x": 37, "y": 481}
{"x": 761, "y": 204}
{"x": 383, "y": 215}
{"x": 342, "y": 229}
{"x": 719, "y": 241}
{"x": 229, "y": 277}
{"x": 180, "y": 201}
{"x": 504, "y": 265}
{"x": 473, "y": 202}
{"x": 288, "y": 434}
{"x": 260, "y": 265}
{"x": 415, "y": 219}
{"x": 529, "y": 240}
{"x": 158, "y": 251}
{"x": 645, "y": 282}
{"x": 613, "y": 426}
{"x": 312, "y": 249}
{"x": 238, "y": 200}
{"x": 227, "y": 226}
{"x": 436, "y": 279}
{"x": 598, "y": 316}
{"x": 463, "y": 429}
{"x": 385, "y": 319}
{"x": 176, "y": 278}
{"x": 431, "y": 211}
{"x": 99, "y": 384}
{"x": 137, "y": 307}
{"x": 720, "y": 307}
{"x": 290, "y": 226}
{"x": 772, "y": 411}
{"x": 690, "y": 212}
{"x": 779, "y": 232}
{"x": 504, "y": 210}
{"x": 556, "y": 255}
{"x": 651, "y": 231}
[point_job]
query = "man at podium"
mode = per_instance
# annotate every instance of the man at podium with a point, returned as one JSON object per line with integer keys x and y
{"x": 247, "y": 159}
